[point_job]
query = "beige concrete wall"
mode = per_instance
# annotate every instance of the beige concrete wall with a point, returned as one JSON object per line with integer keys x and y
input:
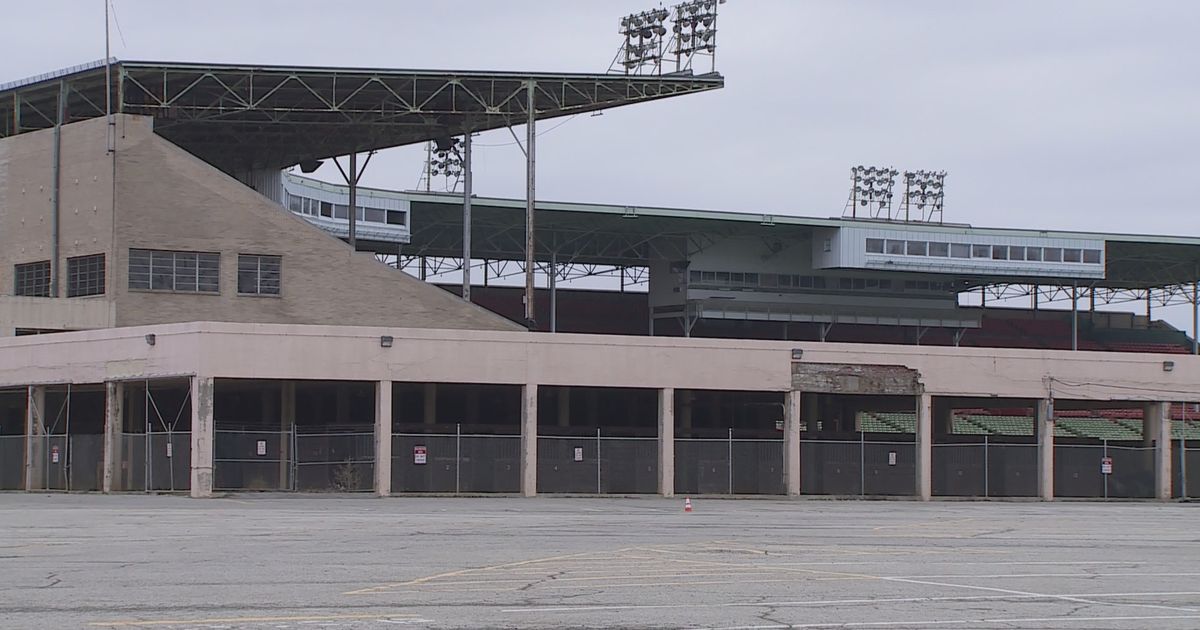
{"x": 424, "y": 355}
{"x": 168, "y": 199}
{"x": 50, "y": 314}
{"x": 26, "y": 197}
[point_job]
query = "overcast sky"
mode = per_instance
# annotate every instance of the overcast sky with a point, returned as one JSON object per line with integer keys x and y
{"x": 1079, "y": 114}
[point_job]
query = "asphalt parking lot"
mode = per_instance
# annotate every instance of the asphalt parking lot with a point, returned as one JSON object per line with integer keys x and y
{"x": 305, "y": 561}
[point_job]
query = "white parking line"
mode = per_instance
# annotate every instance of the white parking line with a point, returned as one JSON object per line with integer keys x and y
{"x": 952, "y": 622}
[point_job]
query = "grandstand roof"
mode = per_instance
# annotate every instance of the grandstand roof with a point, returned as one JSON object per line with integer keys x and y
{"x": 255, "y": 116}
{"x": 629, "y": 235}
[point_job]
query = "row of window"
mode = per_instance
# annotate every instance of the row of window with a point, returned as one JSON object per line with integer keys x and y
{"x": 85, "y": 276}
{"x": 200, "y": 272}
{"x": 991, "y": 252}
{"x": 316, "y": 208}
{"x": 155, "y": 270}
{"x": 790, "y": 281}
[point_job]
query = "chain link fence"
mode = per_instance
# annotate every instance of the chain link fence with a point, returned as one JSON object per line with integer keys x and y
{"x": 858, "y": 467}
{"x": 339, "y": 462}
{"x": 454, "y": 463}
{"x": 729, "y": 466}
{"x": 154, "y": 462}
{"x": 597, "y": 464}
{"x": 1186, "y": 469}
{"x": 985, "y": 469}
{"x": 72, "y": 463}
{"x": 253, "y": 460}
{"x": 1079, "y": 471}
{"x": 12, "y": 462}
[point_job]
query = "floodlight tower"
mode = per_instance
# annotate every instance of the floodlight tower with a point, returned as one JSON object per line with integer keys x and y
{"x": 443, "y": 158}
{"x": 925, "y": 189}
{"x": 643, "y": 48}
{"x": 871, "y": 189}
{"x": 694, "y": 32}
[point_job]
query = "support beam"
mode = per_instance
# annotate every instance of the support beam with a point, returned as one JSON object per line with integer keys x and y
{"x": 1074, "y": 317}
{"x": 35, "y": 440}
{"x": 1156, "y": 425}
{"x": 56, "y": 195}
{"x": 529, "y": 440}
{"x": 1196, "y": 317}
{"x": 429, "y": 409}
{"x": 666, "y": 442}
{"x": 925, "y": 447}
{"x": 202, "y": 436}
{"x": 114, "y": 396}
{"x": 466, "y": 273}
{"x": 287, "y": 424}
{"x": 1045, "y": 434}
{"x": 553, "y": 291}
{"x": 791, "y": 443}
{"x": 352, "y": 211}
{"x": 530, "y": 194}
{"x": 383, "y": 438}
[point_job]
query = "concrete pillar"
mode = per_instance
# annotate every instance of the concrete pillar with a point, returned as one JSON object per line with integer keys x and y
{"x": 791, "y": 443}
{"x": 202, "y": 436}
{"x": 114, "y": 397}
{"x": 35, "y": 440}
{"x": 529, "y": 417}
{"x": 925, "y": 447}
{"x": 287, "y": 424}
{"x": 383, "y": 438}
{"x": 1045, "y": 433}
{"x": 430, "y": 406}
{"x": 666, "y": 442}
{"x": 1156, "y": 426}
{"x": 564, "y": 407}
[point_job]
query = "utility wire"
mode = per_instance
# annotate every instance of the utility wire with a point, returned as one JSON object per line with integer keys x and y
{"x": 117, "y": 22}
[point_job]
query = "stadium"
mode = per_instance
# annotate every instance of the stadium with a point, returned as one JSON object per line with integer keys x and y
{"x": 185, "y": 313}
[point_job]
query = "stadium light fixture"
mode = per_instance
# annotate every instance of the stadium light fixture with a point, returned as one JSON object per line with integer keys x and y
{"x": 926, "y": 191}
{"x": 643, "y": 47}
{"x": 444, "y": 158}
{"x": 871, "y": 191}
{"x": 694, "y": 32}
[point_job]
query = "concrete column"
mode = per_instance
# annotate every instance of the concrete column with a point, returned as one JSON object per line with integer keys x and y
{"x": 1156, "y": 424}
{"x": 666, "y": 442}
{"x": 564, "y": 407}
{"x": 287, "y": 424}
{"x": 202, "y": 436}
{"x": 114, "y": 396}
{"x": 383, "y": 438}
{"x": 529, "y": 438}
{"x": 1045, "y": 433}
{"x": 925, "y": 447}
{"x": 35, "y": 441}
{"x": 430, "y": 403}
{"x": 791, "y": 443}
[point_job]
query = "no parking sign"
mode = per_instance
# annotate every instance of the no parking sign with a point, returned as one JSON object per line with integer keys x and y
{"x": 418, "y": 454}
{"x": 1106, "y": 465}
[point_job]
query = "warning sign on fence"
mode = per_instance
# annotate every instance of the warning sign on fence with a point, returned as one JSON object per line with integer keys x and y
{"x": 1106, "y": 465}
{"x": 53, "y": 454}
{"x": 261, "y": 448}
{"x": 578, "y": 453}
{"x": 419, "y": 454}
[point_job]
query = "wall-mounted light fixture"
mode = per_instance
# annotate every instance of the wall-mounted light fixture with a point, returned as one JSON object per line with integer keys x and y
{"x": 150, "y": 339}
{"x": 797, "y": 354}
{"x": 1168, "y": 366}
{"x": 385, "y": 341}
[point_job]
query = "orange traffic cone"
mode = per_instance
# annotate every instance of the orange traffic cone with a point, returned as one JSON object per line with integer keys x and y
{"x": 687, "y": 504}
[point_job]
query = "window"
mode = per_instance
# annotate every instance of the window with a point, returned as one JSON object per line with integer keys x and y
{"x": 1016, "y": 253}
{"x": 981, "y": 251}
{"x": 874, "y": 246}
{"x": 999, "y": 252}
{"x": 395, "y": 217}
{"x": 1033, "y": 253}
{"x": 1091, "y": 256}
{"x": 339, "y": 211}
{"x": 186, "y": 272}
{"x": 32, "y": 279}
{"x": 917, "y": 248}
{"x": 895, "y": 248}
{"x": 295, "y": 204}
{"x": 375, "y": 215}
{"x": 940, "y": 250}
{"x": 1052, "y": 254}
{"x": 1072, "y": 255}
{"x": 258, "y": 275}
{"x": 960, "y": 250}
{"x": 694, "y": 276}
{"x": 327, "y": 209}
{"x": 85, "y": 275}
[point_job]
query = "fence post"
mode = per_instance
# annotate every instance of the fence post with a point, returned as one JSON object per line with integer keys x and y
{"x": 730, "y": 460}
{"x": 862, "y": 463}
{"x": 597, "y": 460}
{"x": 457, "y": 456}
{"x": 295, "y": 463}
{"x": 1105, "y": 476}
{"x": 986, "y": 468}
